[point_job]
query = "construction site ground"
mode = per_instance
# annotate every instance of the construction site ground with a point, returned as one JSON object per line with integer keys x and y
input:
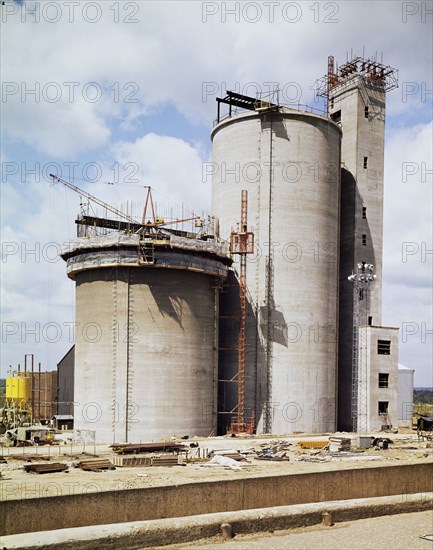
{"x": 398, "y": 532}
{"x": 404, "y": 449}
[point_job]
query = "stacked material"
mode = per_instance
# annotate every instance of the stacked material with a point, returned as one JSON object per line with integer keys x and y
{"x": 278, "y": 450}
{"x": 309, "y": 444}
{"x": 337, "y": 444}
{"x": 96, "y": 465}
{"x": 235, "y": 455}
{"x": 131, "y": 448}
{"x": 148, "y": 460}
{"x": 45, "y": 468}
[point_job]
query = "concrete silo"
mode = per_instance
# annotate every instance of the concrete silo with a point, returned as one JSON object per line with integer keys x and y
{"x": 289, "y": 161}
{"x": 146, "y": 329}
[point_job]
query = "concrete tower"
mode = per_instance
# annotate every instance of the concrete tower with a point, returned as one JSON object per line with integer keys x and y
{"x": 356, "y": 95}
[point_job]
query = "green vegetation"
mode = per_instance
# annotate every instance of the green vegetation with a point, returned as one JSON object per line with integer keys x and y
{"x": 423, "y": 401}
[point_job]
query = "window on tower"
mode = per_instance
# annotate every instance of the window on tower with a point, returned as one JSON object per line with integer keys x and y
{"x": 382, "y": 407}
{"x": 384, "y": 347}
{"x": 364, "y": 240}
{"x": 365, "y": 162}
{"x": 364, "y": 212}
{"x": 366, "y": 112}
{"x": 336, "y": 117}
{"x": 383, "y": 380}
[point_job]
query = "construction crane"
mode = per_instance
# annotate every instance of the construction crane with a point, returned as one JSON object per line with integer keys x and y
{"x": 134, "y": 224}
{"x": 242, "y": 243}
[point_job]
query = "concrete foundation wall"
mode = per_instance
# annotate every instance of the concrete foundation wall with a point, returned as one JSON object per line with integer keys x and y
{"x": 29, "y": 515}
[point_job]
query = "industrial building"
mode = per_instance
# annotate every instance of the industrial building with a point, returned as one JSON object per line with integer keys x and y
{"x": 275, "y": 318}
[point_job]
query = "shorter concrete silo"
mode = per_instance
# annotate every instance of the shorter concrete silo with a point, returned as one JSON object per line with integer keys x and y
{"x": 146, "y": 332}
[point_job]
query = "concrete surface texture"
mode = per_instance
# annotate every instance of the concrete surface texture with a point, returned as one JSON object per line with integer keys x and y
{"x": 169, "y": 532}
{"x": 290, "y": 164}
{"x": 205, "y": 497}
{"x": 145, "y": 348}
{"x": 377, "y": 364}
{"x": 359, "y": 106}
{"x": 396, "y": 532}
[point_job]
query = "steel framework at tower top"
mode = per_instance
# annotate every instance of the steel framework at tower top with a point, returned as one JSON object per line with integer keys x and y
{"x": 372, "y": 71}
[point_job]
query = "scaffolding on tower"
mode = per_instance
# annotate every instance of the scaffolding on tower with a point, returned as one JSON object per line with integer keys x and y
{"x": 384, "y": 77}
{"x": 242, "y": 243}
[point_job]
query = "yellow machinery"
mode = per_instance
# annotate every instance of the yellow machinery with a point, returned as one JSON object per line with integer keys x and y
{"x": 18, "y": 388}
{"x": 17, "y": 410}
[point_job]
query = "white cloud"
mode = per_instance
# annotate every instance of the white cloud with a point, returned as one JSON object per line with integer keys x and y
{"x": 408, "y": 222}
{"x": 171, "y": 166}
{"x": 165, "y": 59}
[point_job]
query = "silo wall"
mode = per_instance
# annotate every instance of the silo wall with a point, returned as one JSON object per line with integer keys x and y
{"x": 145, "y": 355}
{"x": 290, "y": 164}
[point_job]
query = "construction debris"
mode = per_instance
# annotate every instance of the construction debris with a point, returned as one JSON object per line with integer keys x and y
{"x": 167, "y": 446}
{"x": 45, "y": 468}
{"x": 235, "y": 455}
{"x": 337, "y": 444}
{"x": 218, "y": 460}
{"x": 278, "y": 450}
{"x": 381, "y": 442}
{"x": 149, "y": 460}
{"x": 96, "y": 465}
{"x": 311, "y": 444}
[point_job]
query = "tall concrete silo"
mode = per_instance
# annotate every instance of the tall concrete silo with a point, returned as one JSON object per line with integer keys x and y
{"x": 289, "y": 161}
{"x": 146, "y": 330}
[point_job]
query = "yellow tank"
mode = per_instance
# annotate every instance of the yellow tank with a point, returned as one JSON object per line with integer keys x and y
{"x": 18, "y": 388}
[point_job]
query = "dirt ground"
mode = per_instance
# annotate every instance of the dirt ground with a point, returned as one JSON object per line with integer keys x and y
{"x": 15, "y": 483}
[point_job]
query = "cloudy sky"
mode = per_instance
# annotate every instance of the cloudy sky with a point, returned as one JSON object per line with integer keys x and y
{"x": 124, "y": 92}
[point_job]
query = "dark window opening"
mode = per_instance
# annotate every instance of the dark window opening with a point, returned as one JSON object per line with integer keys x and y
{"x": 383, "y": 407}
{"x": 364, "y": 212}
{"x": 366, "y": 112}
{"x": 370, "y": 320}
{"x": 365, "y": 162}
{"x": 336, "y": 117}
{"x": 331, "y": 103}
{"x": 383, "y": 380}
{"x": 384, "y": 347}
{"x": 364, "y": 240}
